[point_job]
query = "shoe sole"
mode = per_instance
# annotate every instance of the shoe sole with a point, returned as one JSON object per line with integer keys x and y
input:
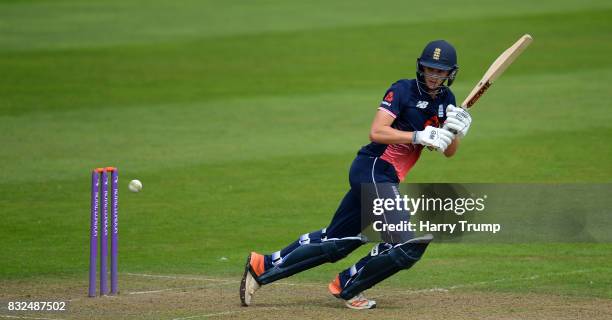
{"x": 247, "y": 268}
{"x": 370, "y": 308}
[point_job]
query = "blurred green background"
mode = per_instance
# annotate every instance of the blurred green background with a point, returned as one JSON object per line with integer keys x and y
{"x": 241, "y": 119}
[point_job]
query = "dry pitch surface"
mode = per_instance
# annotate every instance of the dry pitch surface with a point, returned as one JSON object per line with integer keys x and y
{"x": 197, "y": 297}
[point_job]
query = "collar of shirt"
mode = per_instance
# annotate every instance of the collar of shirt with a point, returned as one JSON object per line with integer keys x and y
{"x": 422, "y": 94}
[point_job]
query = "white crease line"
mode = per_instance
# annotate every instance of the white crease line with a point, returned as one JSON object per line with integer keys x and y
{"x": 173, "y": 289}
{"x": 475, "y": 284}
{"x": 299, "y": 284}
{"x": 437, "y": 289}
{"x": 221, "y": 282}
{"x": 224, "y": 313}
{"x": 24, "y": 317}
{"x": 534, "y": 277}
{"x": 161, "y": 276}
{"x": 161, "y": 290}
{"x": 177, "y": 277}
{"x": 209, "y": 315}
{"x": 382, "y": 292}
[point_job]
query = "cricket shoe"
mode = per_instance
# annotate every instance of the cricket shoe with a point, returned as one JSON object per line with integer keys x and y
{"x": 358, "y": 302}
{"x": 254, "y": 267}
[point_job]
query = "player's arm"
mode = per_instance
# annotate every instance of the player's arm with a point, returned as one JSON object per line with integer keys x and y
{"x": 382, "y": 132}
{"x": 452, "y": 148}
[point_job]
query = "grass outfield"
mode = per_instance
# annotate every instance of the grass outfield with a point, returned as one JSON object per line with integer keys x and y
{"x": 241, "y": 121}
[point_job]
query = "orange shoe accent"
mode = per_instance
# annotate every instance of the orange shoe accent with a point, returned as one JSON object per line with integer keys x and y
{"x": 334, "y": 287}
{"x": 358, "y": 303}
{"x": 257, "y": 263}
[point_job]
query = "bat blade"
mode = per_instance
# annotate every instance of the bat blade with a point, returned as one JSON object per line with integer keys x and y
{"x": 496, "y": 69}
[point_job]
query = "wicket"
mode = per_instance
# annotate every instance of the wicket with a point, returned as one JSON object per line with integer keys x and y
{"x": 94, "y": 224}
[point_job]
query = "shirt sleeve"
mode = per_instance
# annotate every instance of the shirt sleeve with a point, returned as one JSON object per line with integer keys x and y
{"x": 390, "y": 102}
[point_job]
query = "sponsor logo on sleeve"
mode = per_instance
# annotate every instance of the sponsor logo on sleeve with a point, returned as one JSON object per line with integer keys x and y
{"x": 389, "y": 96}
{"x": 388, "y": 99}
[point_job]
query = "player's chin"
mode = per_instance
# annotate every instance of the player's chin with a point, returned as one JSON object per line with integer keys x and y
{"x": 432, "y": 86}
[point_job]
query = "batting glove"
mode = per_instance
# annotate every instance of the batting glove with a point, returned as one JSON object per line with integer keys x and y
{"x": 458, "y": 120}
{"x": 438, "y": 138}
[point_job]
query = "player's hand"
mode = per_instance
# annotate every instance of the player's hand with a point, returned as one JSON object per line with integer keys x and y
{"x": 438, "y": 138}
{"x": 458, "y": 120}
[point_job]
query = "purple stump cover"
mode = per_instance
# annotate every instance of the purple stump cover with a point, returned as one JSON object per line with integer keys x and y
{"x": 104, "y": 236}
{"x": 93, "y": 232}
{"x": 114, "y": 229}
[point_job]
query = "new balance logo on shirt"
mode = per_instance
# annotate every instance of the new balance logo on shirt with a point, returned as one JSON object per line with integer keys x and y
{"x": 422, "y": 104}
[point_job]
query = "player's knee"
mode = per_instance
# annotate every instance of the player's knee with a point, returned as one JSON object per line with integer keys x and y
{"x": 407, "y": 254}
{"x": 338, "y": 249}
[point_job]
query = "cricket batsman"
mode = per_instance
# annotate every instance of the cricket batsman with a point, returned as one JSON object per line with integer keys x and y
{"x": 414, "y": 113}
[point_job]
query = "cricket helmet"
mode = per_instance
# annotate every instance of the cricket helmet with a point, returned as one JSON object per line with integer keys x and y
{"x": 441, "y": 55}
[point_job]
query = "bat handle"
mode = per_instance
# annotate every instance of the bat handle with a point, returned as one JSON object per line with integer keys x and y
{"x": 453, "y": 131}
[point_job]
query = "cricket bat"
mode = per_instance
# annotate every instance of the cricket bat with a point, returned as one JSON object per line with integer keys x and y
{"x": 496, "y": 69}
